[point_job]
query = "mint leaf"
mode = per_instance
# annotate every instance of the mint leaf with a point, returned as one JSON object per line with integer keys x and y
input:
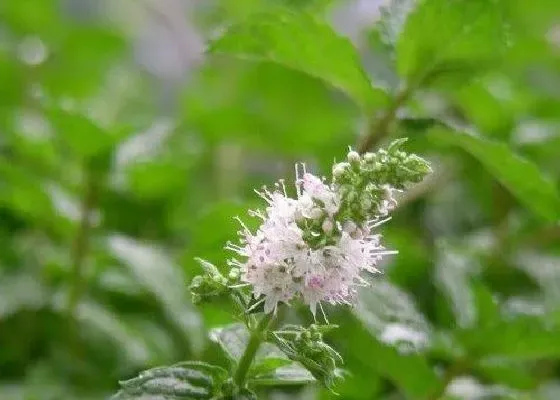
{"x": 301, "y": 41}
{"x": 520, "y": 176}
{"x": 268, "y": 365}
{"x": 186, "y": 380}
{"x": 443, "y": 35}
{"x": 233, "y": 340}
{"x": 287, "y": 375}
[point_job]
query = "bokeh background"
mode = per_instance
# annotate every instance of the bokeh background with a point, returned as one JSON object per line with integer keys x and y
{"x": 125, "y": 151}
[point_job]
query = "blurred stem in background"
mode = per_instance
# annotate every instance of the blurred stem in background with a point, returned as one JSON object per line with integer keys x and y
{"x": 80, "y": 248}
{"x": 379, "y": 127}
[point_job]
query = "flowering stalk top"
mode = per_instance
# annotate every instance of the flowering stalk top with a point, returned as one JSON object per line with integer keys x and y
{"x": 315, "y": 246}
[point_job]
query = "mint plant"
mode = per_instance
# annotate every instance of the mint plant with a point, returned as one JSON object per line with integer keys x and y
{"x": 314, "y": 248}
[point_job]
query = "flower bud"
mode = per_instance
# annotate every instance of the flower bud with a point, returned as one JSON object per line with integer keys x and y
{"x": 196, "y": 298}
{"x": 366, "y": 203}
{"x": 327, "y": 226}
{"x": 369, "y": 157}
{"x": 316, "y": 213}
{"x": 339, "y": 169}
{"x": 353, "y": 157}
{"x": 349, "y": 226}
{"x": 233, "y": 274}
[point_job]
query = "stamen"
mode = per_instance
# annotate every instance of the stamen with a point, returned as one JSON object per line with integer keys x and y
{"x": 323, "y": 312}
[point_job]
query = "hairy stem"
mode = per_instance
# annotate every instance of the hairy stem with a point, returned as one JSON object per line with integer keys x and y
{"x": 255, "y": 340}
{"x": 379, "y": 127}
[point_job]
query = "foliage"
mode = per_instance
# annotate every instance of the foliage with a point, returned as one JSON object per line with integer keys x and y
{"x": 115, "y": 175}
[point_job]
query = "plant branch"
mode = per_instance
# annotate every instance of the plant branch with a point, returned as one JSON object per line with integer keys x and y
{"x": 255, "y": 340}
{"x": 80, "y": 245}
{"x": 379, "y": 127}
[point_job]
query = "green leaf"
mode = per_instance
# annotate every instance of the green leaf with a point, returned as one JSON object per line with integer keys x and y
{"x": 208, "y": 267}
{"x": 513, "y": 374}
{"x": 84, "y": 137}
{"x": 21, "y": 291}
{"x": 245, "y": 394}
{"x": 271, "y": 367}
{"x": 454, "y": 271}
{"x": 156, "y": 273}
{"x": 307, "y": 347}
{"x": 233, "y": 340}
{"x": 400, "y": 332}
{"x": 268, "y": 365}
{"x": 84, "y": 54}
{"x": 95, "y": 320}
{"x": 523, "y": 339}
{"x": 441, "y": 33}
{"x": 392, "y": 317}
{"x": 287, "y": 375}
{"x": 259, "y": 108}
{"x": 520, "y": 176}
{"x": 186, "y": 380}
{"x": 302, "y": 42}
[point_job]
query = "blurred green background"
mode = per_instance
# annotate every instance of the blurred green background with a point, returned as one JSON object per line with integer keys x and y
{"x": 126, "y": 151}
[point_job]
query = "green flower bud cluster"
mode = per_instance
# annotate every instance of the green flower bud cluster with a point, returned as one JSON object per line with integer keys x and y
{"x": 212, "y": 283}
{"x": 204, "y": 287}
{"x": 306, "y": 346}
{"x": 365, "y": 181}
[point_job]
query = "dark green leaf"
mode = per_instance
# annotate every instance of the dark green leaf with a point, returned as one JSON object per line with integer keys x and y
{"x": 233, "y": 340}
{"x": 287, "y": 375}
{"x": 82, "y": 135}
{"x": 520, "y": 176}
{"x": 400, "y": 332}
{"x": 245, "y": 394}
{"x": 391, "y": 315}
{"x": 439, "y": 32}
{"x": 525, "y": 338}
{"x": 186, "y": 380}
{"x": 268, "y": 365}
{"x": 305, "y": 43}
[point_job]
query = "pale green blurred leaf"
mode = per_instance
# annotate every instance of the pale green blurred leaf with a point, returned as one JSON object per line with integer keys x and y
{"x": 155, "y": 271}
{"x": 520, "y": 176}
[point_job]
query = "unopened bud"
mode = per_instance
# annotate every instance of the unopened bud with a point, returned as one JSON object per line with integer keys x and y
{"x": 369, "y": 157}
{"x": 349, "y": 226}
{"x": 327, "y": 226}
{"x": 366, "y": 203}
{"x": 353, "y": 157}
{"x": 298, "y": 216}
{"x": 339, "y": 169}
{"x": 316, "y": 213}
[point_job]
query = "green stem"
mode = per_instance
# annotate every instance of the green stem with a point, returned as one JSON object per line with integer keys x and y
{"x": 379, "y": 127}
{"x": 255, "y": 340}
{"x": 80, "y": 247}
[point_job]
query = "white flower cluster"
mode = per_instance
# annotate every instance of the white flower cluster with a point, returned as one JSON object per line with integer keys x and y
{"x": 280, "y": 263}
